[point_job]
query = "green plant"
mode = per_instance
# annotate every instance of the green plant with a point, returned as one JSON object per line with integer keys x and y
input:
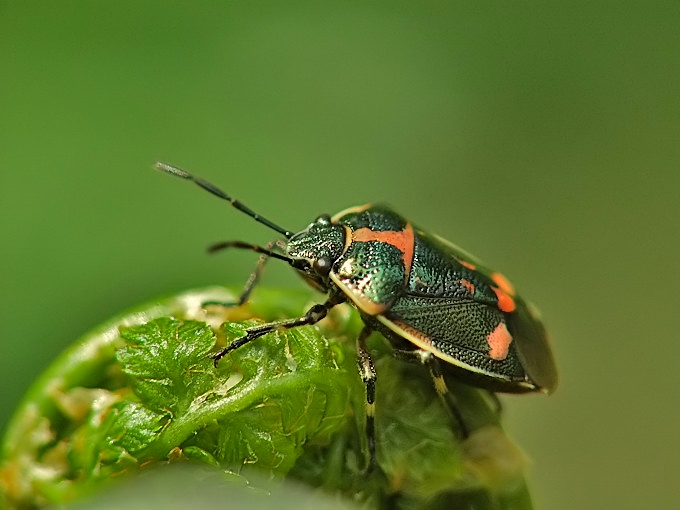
{"x": 141, "y": 392}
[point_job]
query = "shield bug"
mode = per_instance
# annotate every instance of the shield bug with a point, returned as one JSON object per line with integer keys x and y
{"x": 434, "y": 302}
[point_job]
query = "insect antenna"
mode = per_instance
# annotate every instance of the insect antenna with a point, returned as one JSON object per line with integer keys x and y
{"x": 223, "y": 245}
{"x": 172, "y": 170}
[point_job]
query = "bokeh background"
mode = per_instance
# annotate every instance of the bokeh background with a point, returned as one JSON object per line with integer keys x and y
{"x": 542, "y": 136}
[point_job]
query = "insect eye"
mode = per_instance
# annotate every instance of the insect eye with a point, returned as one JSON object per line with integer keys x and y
{"x": 323, "y": 265}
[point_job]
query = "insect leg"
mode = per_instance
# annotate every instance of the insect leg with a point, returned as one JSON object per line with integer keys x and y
{"x": 367, "y": 373}
{"x": 443, "y": 390}
{"x": 252, "y": 279}
{"x": 497, "y": 404}
{"x": 427, "y": 358}
{"x": 313, "y": 315}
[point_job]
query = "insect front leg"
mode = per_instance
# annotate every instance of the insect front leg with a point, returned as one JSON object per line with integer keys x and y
{"x": 431, "y": 361}
{"x": 313, "y": 315}
{"x": 254, "y": 277}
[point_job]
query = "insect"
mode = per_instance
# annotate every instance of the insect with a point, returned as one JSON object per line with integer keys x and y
{"x": 434, "y": 302}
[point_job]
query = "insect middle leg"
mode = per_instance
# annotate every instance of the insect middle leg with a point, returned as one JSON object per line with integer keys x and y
{"x": 367, "y": 373}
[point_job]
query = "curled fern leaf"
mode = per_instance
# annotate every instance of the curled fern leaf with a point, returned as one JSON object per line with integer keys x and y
{"x": 142, "y": 391}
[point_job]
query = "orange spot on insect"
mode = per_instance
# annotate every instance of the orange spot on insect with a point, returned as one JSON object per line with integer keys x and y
{"x": 499, "y": 342}
{"x": 469, "y": 286}
{"x": 503, "y": 283}
{"x": 505, "y": 302}
{"x": 468, "y": 265}
{"x": 402, "y": 240}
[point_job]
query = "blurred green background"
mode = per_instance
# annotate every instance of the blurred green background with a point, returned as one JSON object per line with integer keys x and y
{"x": 542, "y": 136}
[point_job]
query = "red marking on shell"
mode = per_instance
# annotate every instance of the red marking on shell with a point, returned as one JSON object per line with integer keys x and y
{"x": 503, "y": 283}
{"x": 505, "y": 302}
{"x": 469, "y": 286}
{"x": 468, "y": 265}
{"x": 499, "y": 342}
{"x": 402, "y": 240}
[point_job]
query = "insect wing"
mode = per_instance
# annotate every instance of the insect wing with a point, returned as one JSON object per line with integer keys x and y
{"x": 523, "y": 322}
{"x": 533, "y": 346}
{"x": 474, "y": 320}
{"x": 465, "y": 334}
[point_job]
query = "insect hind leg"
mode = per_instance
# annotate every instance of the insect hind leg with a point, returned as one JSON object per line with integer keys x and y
{"x": 449, "y": 400}
{"x": 495, "y": 403}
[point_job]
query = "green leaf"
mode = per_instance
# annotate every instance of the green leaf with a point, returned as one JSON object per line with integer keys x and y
{"x": 168, "y": 361}
{"x": 142, "y": 390}
{"x": 133, "y": 427}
